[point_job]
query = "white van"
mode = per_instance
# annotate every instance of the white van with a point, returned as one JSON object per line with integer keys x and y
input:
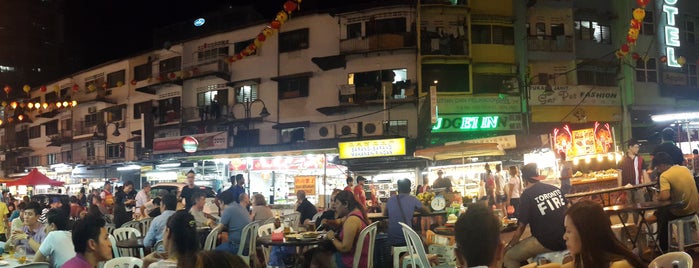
{"x": 176, "y": 188}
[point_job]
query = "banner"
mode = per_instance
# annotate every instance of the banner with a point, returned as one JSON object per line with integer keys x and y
{"x": 208, "y": 141}
{"x": 372, "y": 148}
{"x": 469, "y": 104}
{"x": 305, "y": 183}
{"x": 574, "y": 96}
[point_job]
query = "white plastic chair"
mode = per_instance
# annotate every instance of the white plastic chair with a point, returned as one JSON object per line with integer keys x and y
{"x": 293, "y": 219}
{"x": 115, "y": 250}
{"x": 110, "y": 228}
{"x": 682, "y": 259}
{"x": 265, "y": 229}
{"x": 145, "y": 224}
{"x": 210, "y": 242}
{"x": 124, "y": 233}
{"x": 416, "y": 252}
{"x": 370, "y": 233}
{"x": 248, "y": 237}
{"x": 124, "y": 262}
{"x": 133, "y": 224}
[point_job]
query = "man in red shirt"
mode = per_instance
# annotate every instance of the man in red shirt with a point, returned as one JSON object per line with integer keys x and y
{"x": 359, "y": 194}
{"x": 107, "y": 197}
{"x": 350, "y": 184}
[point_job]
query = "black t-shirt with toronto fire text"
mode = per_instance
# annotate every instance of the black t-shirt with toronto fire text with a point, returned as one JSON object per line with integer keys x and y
{"x": 543, "y": 207}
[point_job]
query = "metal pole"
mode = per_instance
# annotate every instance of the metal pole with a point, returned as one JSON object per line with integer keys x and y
{"x": 325, "y": 176}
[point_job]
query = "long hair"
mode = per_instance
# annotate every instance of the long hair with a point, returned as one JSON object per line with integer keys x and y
{"x": 599, "y": 245}
{"x": 184, "y": 239}
{"x": 345, "y": 197}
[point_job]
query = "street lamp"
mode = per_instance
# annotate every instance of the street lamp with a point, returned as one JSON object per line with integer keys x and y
{"x": 97, "y": 136}
{"x": 247, "y": 106}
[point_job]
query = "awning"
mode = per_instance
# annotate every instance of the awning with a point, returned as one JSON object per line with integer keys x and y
{"x": 460, "y": 150}
{"x": 292, "y": 125}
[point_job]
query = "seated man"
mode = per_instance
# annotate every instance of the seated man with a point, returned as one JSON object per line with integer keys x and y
{"x": 31, "y": 236}
{"x": 197, "y": 210}
{"x": 400, "y": 208}
{"x": 91, "y": 241}
{"x": 478, "y": 238}
{"x": 234, "y": 218}
{"x": 155, "y": 233}
{"x": 57, "y": 248}
{"x": 543, "y": 207}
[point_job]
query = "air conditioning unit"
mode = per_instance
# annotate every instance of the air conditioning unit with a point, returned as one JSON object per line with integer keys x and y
{"x": 347, "y": 129}
{"x": 373, "y": 128}
{"x": 320, "y": 132}
{"x": 92, "y": 109}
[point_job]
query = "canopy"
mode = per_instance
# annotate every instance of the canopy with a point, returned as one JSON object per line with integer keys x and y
{"x": 460, "y": 150}
{"x": 35, "y": 178}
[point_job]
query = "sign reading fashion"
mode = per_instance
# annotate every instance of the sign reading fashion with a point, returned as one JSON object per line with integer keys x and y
{"x": 460, "y": 122}
{"x": 574, "y": 95}
{"x": 371, "y": 148}
{"x": 671, "y": 32}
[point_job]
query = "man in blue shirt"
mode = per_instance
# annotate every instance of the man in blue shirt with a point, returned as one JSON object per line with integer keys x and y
{"x": 235, "y": 217}
{"x": 409, "y": 205}
{"x": 168, "y": 205}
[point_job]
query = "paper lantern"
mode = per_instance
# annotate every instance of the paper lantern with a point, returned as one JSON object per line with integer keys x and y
{"x": 635, "y": 56}
{"x": 133, "y": 82}
{"x": 261, "y": 37}
{"x": 74, "y": 103}
{"x": 257, "y": 42}
{"x": 120, "y": 83}
{"x": 45, "y": 105}
{"x": 642, "y": 3}
{"x": 43, "y": 88}
{"x": 13, "y": 104}
{"x": 681, "y": 60}
{"x": 267, "y": 31}
{"x": 625, "y": 48}
{"x": 282, "y": 17}
{"x": 630, "y": 40}
{"x": 639, "y": 14}
{"x": 37, "y": 105}
{"x": 21, "y": 105}
{"x": 26, "y": 88}
{"x": 59, "y": 104}
{"x": 275, "y": 24}
{"x": 635, "y": 24}
{"x": 91, "y": 87}
{"x": 290, "y": 6}
{"x": 633, "y": 33}
{"x": 7, "y": 89}
{"x": 76, "y": 88}
{"x": 663, "y": 59}
{"x": 239, "y": 56}
{"x": 30, "y": 105}
{"x": 65, "y": 104}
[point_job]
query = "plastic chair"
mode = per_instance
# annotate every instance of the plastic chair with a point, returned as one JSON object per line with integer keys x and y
{"x": 315, "y": 217}
{"x": 682, "y": 259}
{"x": 145, "y": 224}
{"x": 293, "y": 219}
{"x": 159, "y": 246}
{"x": 417, "y": 255}
{"x": 265, "y": 229}
{"x": 396, "y": 251}
{"x": 115, "y": 250}
{"x": 684, "y": 232}
{"x": 370, "y": 233}
{"x": 248, "y": 237}
{"x": 210, "y": 242}
{"x": 34, "y": 265}
{"x": 124, "y": 262}
{"x": 124, "y": 233}
{"x": 110, "y": 228}
{"x": 133, "y": 224}
{"x": 267, "y": 221}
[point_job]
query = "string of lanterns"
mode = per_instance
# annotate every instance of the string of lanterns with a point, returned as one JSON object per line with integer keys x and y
{"x": 20, "y": 106}
{"x": 267, "y": 31}
{"x": 634, "y": 30}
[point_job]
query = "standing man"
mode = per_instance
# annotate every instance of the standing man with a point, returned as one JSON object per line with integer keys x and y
{"x": 107, "y": 197}
{"x": 500, "y": 188}
{"x": 91, "y": 242}
{"x": 566, "y": 174}
{"x": 239, "y": 187}
{"x": 632, "y": 172}
{"x": 234, "y": 218}
{"x": 359, "y": 193}
{"x": 188, "y": 190}
{"x": 543, "y": 206}
{"x": 142, "y": 198}
{"x": 400, "y": 208}
{"x": 677, "y": 185}
{"x": 350, "y": 184}
{"x": 305, "y": 207}
{"x": 441, "y": 182}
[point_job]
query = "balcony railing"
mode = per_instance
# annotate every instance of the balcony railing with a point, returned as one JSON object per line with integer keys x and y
{"x": 433, "y": 44}
{"x": 559, "y": 43}
{"x": 377, "y": 42}
{"x": 83, "y": 128}
{"x": 204, "y": 113}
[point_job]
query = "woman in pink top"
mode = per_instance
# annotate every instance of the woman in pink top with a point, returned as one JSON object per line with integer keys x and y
{"x": 352, "y": 218}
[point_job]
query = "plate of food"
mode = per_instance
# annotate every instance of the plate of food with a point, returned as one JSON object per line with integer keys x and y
{"x": 293, "y": 236}
{"x": 4, "y": 263}
{"x": 451, "y": 219}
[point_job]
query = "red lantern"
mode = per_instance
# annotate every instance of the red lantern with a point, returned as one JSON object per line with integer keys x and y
{"x": 8, "y": 89}
{"x": 172, "y": 75}
{"x": 663, "y": 59}
{"x": 43, "y": 88}
{"x": 290, "y": 6}
{"x": 275, "y": 24}
{"x": 635, "y": 56}
{"x": 252, "y": 48}
{"x": 239, "y": 56}
{"x": 159, "y": 78}
{"x": 104, "y": 85}
{"x": 76, "y": 87}
{"x": 624, "y": 48}
{"x": 630, "y": 40}
{"x": 133, "y": 82}
{"x": 635, "y": 24}
{"x": 261, "y": 37}
{"x": 642, "y": 3}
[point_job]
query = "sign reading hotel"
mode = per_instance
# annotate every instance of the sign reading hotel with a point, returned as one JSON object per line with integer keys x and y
{"x": 306, "y": 184}
{"x": 371, "y": 148}
{"x": 574, "y": 96}
{"x": 461, "y": 123}
{"x": 671, "y": 32}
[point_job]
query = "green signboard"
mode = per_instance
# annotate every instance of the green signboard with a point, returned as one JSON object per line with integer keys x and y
{"x": 489, "y": 122}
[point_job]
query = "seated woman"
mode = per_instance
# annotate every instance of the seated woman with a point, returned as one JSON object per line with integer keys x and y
{"x": 57, "y": 247}
{"x": 352, "y": 219}
{"x": 589, "y": 238}
{"x": 260, "y": 210}
{"x": 180, "y": 241}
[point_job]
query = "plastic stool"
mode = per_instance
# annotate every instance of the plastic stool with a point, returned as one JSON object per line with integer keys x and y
{"x": 396, "y": 251}
{"x": 684, "y": 231}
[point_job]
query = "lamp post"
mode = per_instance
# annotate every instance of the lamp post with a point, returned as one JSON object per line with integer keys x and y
{"x": 97, "y": 136}
{"x": 247, "y": 106}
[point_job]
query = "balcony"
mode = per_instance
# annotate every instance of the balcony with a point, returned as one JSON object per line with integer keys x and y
{"x": 81, "y": 128}
{"x": 216, "y": 67}
{"x": 432, "y": 44}
{"x": 377, "y": 42}
{"x": 204, "y": 113}
{"x": 169, "y": 116}
{"x": 548, "y": 43}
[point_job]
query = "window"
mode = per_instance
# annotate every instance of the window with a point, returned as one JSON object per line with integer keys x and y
{"x": 592, "y": 30}
{"x": 115, "y": 115}
{"x": 34, "y": 132}
{"x": 67, "y": 156}
{"x": 646, "y": 71}
{"x": 648, "y": 27}
{"x": 114, "y": 78}
{"x": 354, "y": 30}
{"x": 90, "y": 150}
{"x": 51, "y": 97}
{"x": 169, "y": 110}
{"x": 66, "y": 124}
{"x": 386, "y": 26}
{"x": 398, "y": 128}
{"x": 246, "y": 93}
{"x": 138, "y": 149}
{"x": 490, "y": 83}
{"x": 691, "y": 74}
{"x": 540, "y": 28}
{"x": 141, "y": 108}
{"x": 449, "y": 77}
{"x": 170, "y": 65}
{"x": 240, "y": 46}
{"x": 208, "y": 97}
{"x": 586, "y": 77}
{"x": 93, "y": 82}
{"x": 142, "y": 72}
{"x": 293, "y": 40}
{"x": 115, "y": 150}
{"x": 90, "y": 120}
{"x": 51, "y": 127}
{"x": 52, "y": 159}
{"x": 492, "y": 34}
{"x": 35, "y": 161}
{"x": 557, "y": 29}
{"x": 212, "y": 54}
{"x": 689, "y": 31}
{"x": 293, "y": 87}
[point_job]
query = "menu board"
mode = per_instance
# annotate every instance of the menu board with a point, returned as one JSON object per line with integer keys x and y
{"x": 584, "y": 141}
{"x": 305, "y": 183}
{"x": 603, "y": 138}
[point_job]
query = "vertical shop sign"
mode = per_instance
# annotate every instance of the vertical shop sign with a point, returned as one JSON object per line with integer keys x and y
{"x": 671, "y": 32}
{"x": 305, "y": 183}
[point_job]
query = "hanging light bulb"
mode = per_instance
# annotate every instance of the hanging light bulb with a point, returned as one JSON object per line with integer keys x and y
{"x": 20, "y": 117}
{"x": 65, "y": 104}
{"x": 45, "y": 105}
{"x": 13, "y": 105}
{"x": 74, "y": 103}
{"x": 1, "y": 122}
{"x": 37, "y": 105}
{"x": 30, "y": 105}
{"x": 59, "y": 104}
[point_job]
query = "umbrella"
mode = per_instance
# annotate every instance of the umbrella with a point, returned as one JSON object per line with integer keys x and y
{"x": 460, "y": 150}
{"x": 35, "y": 178}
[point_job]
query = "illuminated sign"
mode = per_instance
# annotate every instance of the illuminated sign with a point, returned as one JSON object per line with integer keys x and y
{"x": 371, "y": 148}
{"x": 190, "y": 144}
{"x": 459, "y": 123}
{"x": 307, "y": 184}
{"x": 199, "y": 22}
{"x": 672, "y": 33}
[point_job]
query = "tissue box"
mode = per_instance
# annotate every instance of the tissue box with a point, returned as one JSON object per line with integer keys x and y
{"x": 277, "y": 236}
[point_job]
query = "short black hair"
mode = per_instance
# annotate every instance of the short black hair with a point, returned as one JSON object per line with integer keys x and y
{"x": 350, "y": 179}
{"x": 668, "y": 134}
{"x": 191, "y": 171}
{"x": 170, "y": 202}
{"x": 239, "y": 177}
{"x": 232, "y": 179}
{"x": 86, "y": 229}
{"x": 403, "y": 185}
{"x": 22, "y": 206}
{"x": 226, "y": 197}
{"x": 34, "y": 206}
{"x": 198, "y": 194}
{"x": 156, "y": 201}
{"x": 477, "y": 235}
{"x": 662, "y": 158}
{"x": 59, "y": 218}
{"x": 127, "y": 183}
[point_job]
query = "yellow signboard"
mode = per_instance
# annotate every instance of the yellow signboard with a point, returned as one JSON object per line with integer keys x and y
{"x": 305, "y": 183}
{"x": 371, "y": 148}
